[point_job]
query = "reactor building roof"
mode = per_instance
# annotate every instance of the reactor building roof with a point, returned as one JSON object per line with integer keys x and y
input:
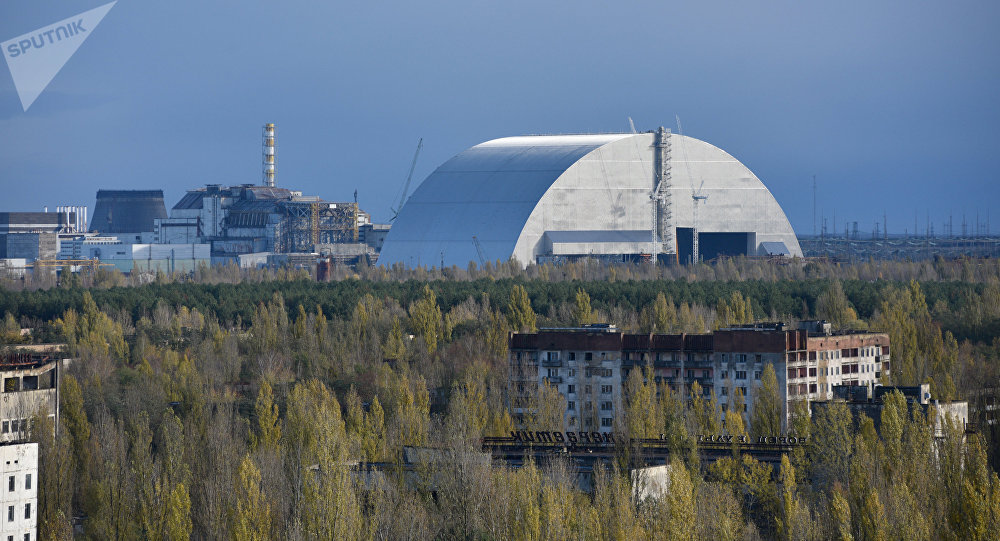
{"x": 532, "y": 198}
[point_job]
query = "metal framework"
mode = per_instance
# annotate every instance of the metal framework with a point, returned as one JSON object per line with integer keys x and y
{"x": 59, "y": 263}
{"x": 662, "y": 230}
{"x": 308, "y": 224}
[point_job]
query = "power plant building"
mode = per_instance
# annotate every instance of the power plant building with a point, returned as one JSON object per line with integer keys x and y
{"x": 127, "y": 213}
{"x": 34, "y": 235}
{"x": 547, "y": 198}
{"x": 130, "y": 257}
{"x": 249, "y": 219}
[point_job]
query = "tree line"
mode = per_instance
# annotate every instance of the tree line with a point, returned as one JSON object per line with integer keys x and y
{"x": 247, "y": 410}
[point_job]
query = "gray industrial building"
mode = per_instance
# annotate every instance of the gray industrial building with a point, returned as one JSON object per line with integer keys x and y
{"x": 133, "y": 256}
{"x": 33, "y": 235}
{"x": 249, "y": 219}
{"x": 127, "y": 213}
{"x": 547, "y": 198}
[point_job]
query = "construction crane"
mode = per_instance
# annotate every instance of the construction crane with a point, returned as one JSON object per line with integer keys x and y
{"x": 479, "y": 251}
{"x": 409, "y": 177}
{"x": 696, "y": 197}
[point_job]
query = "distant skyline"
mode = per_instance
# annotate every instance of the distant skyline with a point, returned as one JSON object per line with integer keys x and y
{"x": 891, "y": 105}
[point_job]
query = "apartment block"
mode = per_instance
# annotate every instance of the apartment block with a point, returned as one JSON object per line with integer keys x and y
{"x": 588, "y": 365}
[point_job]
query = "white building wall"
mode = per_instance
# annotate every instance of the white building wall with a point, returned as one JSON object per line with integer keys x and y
{"x": 19, "y": 491}
{"x": 508, "y": 192}
{"x": 608, "y": 189}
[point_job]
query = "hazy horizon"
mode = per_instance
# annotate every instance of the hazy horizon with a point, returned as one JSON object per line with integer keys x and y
{"x": 891, "y": 106}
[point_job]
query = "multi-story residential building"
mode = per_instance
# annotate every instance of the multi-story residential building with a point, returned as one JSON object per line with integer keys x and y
{"x": 30, "y": 387}
{"x": 18, "y": 491}
{"x": 589, "y": 365}
{"x": 583, "y": 364}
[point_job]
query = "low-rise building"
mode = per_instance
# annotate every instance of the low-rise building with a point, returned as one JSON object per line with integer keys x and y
{"x": 128, "y": 257}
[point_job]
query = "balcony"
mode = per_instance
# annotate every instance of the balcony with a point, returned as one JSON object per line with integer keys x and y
{"x": 551, "y": 362}
{"x": 554, "y": 380}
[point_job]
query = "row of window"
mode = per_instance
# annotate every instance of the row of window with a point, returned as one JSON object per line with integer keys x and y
{"x": 663, "y": 356}
{"x": 871, "y": 351}
{"x": 587, "y": 422}
{"x": 605, "y": 406}
{"x": 554, "y": 355}
{"x": 10, "y": 512}
{"x": 743, "y": 391}
{"x": 740, "y": 357}
{"x": 605, "y": 389}
{"x": 14, "y": 425}
{"x": 11, "y": 483}
{"x": 802, "y": 389}
{"x": 590, "y": 372}
{"x": 741, "y": 374}
{"x": 27, "y": 537}
{"x": 802, "y": 372}
{"x": 724, "y": 357}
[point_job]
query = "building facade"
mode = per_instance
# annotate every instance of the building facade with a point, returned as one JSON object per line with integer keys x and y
{"x": 589, "y": 365}
{"x": 249, "y": 219}
{"x": 30, "y": 387}
{"x": 129, "y": 257}
{"x": 19, "y": 491}
{"x": 584, "y": 365}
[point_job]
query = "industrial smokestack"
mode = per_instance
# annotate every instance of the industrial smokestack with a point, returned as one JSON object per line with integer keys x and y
{"x": 268, "y": 151}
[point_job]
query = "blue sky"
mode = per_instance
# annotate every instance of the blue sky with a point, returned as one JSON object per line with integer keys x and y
{"x": 892, "y": 105}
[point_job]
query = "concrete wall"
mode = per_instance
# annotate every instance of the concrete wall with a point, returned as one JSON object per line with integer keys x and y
{"x": 19, "y": 507}
{"x": 29, "y": 246}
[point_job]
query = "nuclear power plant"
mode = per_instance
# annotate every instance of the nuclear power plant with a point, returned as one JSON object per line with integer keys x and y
{"x": 657, "y": 197}
{"x": 247, "y": 224}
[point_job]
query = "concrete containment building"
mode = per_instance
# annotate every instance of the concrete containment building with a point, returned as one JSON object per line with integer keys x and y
{"x": 124, "y": 212}
{"x": 543, "y": 198}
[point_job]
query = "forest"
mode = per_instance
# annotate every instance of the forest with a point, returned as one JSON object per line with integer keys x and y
{"x": 248, "y": 404}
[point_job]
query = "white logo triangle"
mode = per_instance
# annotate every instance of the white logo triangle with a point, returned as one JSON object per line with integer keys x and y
{"x": 36, "y": 57}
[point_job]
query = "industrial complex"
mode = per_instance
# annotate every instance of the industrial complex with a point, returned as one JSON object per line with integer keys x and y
{"x": 246, "y": 224}
{"x": 655, "y": 196}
